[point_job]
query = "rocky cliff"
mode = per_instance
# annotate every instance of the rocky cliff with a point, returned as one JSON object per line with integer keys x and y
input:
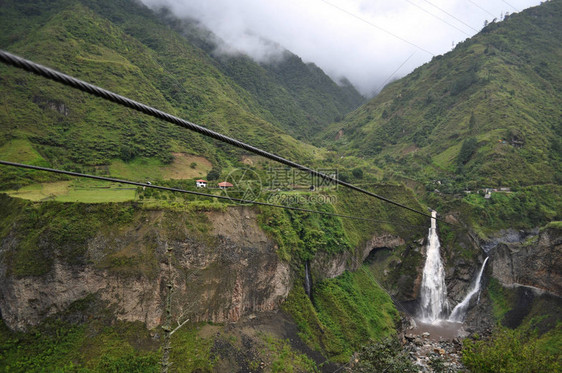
{"x": 231, "y": 271}
{"x": 535, "y": 262}
{"x": 223, "y": 265}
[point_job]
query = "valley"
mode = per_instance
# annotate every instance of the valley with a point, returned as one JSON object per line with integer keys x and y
{"x": 305, "y": 274}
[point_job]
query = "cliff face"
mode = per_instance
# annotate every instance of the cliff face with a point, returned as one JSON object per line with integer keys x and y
{"x": 221, "y": 276}
{"x": 535, "y": 263}
{"x": 223, "y": 265}
{"x": 329, "y": 266}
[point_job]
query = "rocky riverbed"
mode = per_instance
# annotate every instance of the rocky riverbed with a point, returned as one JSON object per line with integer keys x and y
{"x": 434, "y": 355}
{"x": 436, "y": 347}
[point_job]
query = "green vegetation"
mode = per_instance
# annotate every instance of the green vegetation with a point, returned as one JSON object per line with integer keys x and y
{"x": 122, "y": 46}
{"x": 63, "y": 191}
{"x": 534, "y": 345}
{"x": 191, "y": 353}
{"x": 500, "y": 298}
{"x": 63, "y": 347}
{"x": 284, "y": 358}
{"x": 43, "y": 229}
{"x": 523, "y": 208}
{"x": 514, "y": 351}
{"x": 345, "y": 314}
{"x": 468, "y": 148}
{"x": 301, "y": 234}
{"x": 485, "y": 114}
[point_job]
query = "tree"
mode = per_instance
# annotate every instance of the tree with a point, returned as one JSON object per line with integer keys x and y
{"x": 472, "y": 122}
{"x": 214, "y": 174}
{"x": 468, "y": 148}
{"x": 357, "y": 173}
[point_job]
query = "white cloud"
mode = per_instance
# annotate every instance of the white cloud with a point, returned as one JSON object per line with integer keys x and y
{"x": 362, "y": 40}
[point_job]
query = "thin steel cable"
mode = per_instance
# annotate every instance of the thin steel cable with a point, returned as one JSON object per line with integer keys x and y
{"x": 483, "y": 9}
{"x": 70, "y": 81}
{"x": 395, "y": 71}
{"x": 451, "y": 15}
{"x": 517, "y": 10}
{"x": 238, "y": 200}
{"x": 439, "y": 18}
{"x": 377, "y": 27}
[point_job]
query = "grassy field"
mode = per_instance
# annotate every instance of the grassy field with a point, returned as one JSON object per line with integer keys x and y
{"x": 20, "y": 150}
{"x": 183, "y": 166}
{"x": 68, "y": 191}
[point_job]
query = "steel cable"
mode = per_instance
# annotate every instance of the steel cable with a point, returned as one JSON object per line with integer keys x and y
{"x": 233, "y": 199}
{"x": 57, "y": 76}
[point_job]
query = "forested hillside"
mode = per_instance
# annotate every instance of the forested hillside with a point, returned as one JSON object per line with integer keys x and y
{"x": 125, "y": 47}
{"x": 486, "y": 114}
{"x": 97, "y": 276}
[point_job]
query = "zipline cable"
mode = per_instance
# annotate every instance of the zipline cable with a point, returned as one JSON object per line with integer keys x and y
{"x": 439, "y": 18}
{"x": 239, "y": 200}
{"x": 57, "y": 76}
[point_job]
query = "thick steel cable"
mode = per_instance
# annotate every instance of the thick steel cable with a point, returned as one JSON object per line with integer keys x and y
{"x": 54, "y": 75}
{"x": 170, "y": 189}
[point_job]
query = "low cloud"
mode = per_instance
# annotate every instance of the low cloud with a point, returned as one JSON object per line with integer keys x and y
{"x": 369, "y": 42}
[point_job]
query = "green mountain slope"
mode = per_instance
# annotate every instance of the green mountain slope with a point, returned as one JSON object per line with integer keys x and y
{"x": 124, "y": 47}
{"x": 298, "y": 97}
{"x": 487, "y": 113}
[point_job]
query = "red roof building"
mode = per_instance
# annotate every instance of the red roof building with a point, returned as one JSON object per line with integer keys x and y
{"x": 225, "y": 184}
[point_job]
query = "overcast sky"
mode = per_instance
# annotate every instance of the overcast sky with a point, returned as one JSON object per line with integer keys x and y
{"x": 370, "y": 42}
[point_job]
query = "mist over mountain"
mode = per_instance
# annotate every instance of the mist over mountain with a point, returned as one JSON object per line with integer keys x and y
{"x": 367, "y": 42}
{"x": 139, "y": 54}
{"x": 485, "y": 114}
{"x": 99, "y": 276}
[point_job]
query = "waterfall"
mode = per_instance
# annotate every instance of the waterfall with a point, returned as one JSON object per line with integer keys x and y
{"x": 433, "y": 290}
{"x": 307, "y": 280}
{"x": 459, "y": 312}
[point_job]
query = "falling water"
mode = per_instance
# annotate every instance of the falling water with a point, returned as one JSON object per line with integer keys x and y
{"x": 433, "y": 290}
{"x": 307, "y": 280}
{"x": 459, "y": 312}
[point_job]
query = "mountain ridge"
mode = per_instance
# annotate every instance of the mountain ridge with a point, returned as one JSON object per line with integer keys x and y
{"x": 136, "y": 54}
{"x": 501, "y": 88}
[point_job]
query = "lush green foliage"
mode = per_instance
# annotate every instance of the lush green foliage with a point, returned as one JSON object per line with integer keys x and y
{"x": 468, "y": 148}
{"x": 534, "y": 345}
{"x": 500, "y": 298}
{"x": 285, "y": 359}
{"x": 43, "y": 231}
{"x": 62, "y": 347}
{"x": 524, "y": 208}
{"x": 122, "y": 46}
{"x": 45, "y": 228}
{"x": 346, "y": 313}
{"x": 500, "y": 89}
{"x": 301, "y": 234}
{"x": 191, "y": 353}
{"x": 511, "y": 351}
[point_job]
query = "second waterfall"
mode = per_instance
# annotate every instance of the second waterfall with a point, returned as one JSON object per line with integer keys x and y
{"x": 434, "y": 305}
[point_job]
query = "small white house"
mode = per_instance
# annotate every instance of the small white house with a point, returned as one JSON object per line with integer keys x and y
{"x": 201, "y": 183}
